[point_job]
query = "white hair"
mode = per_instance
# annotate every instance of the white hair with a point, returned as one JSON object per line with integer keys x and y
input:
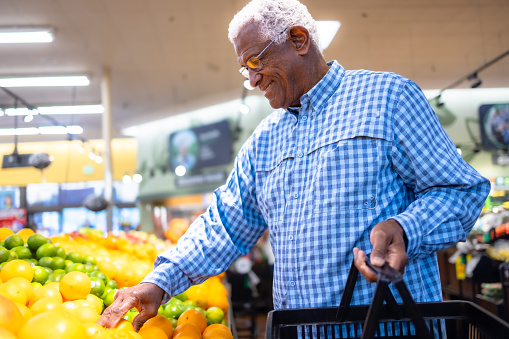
{"x": 273, "y": 17}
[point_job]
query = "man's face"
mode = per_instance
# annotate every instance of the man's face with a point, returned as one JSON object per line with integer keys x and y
{"x": 278, "y": 78}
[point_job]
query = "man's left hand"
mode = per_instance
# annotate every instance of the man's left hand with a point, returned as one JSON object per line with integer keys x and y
{"x": 387, "y": 238}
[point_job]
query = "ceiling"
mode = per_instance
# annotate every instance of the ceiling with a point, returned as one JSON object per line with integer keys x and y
{"x": 171, "y": 56}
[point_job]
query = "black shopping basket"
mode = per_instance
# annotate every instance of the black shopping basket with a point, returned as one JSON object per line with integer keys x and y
{"x": 449, "y": 319}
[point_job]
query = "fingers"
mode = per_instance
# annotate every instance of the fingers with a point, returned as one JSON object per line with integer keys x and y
{"x": 380, "y": 242}
{"x": 114, "y": 313}
{"x": 142, "y": 317}
{"x": 359, "y": 258}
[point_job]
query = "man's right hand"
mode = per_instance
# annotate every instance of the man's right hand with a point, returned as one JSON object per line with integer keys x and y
{"x": 145, "y": 297}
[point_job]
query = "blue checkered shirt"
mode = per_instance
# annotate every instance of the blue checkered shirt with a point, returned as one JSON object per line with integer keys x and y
{"x": 365, "y": 147}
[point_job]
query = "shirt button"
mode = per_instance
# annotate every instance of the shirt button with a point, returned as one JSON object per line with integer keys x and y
{"x": 292, "y": 283}
{"x": 304, "y": 118}
{"x": 290, "y": 237}
{"x": 300, "y": 154}
{"x": 295, "y": 195}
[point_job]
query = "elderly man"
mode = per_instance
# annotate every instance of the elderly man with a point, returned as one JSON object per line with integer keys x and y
{"x": 351, "y": 163}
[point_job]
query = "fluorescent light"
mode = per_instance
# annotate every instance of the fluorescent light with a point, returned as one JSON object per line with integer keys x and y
{"x": 327, "y": 30}
{"x": 15, "y": 35}
{"x": 77, "y": 109}
{"x": 75, "y": 80}
{"x": 73, "y": 129}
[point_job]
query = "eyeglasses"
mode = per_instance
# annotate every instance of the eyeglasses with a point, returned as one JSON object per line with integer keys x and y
{"x": 254, "y": 63}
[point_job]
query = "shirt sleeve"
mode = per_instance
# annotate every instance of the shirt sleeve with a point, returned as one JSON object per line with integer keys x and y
{"x": 449, "y": 193}
{"x": 228, "y": 229}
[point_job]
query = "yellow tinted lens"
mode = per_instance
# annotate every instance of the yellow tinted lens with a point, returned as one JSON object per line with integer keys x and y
{"x": 254, "y": 63}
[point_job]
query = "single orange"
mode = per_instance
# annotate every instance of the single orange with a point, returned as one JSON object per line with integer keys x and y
{"x": 45, "y": 305}
{"x": 162, "y": 322}
{"x": 25, "y": 285}
{"x": 13, "y": 292}
{"x": 25, "y": 233}
{"x": 75, "y": 285}
{"x": 45, "y": 292}
{"x": 194, "y": 317}
{"x": 152, "y": 332}
{"x": 217, "y": 331}
{"x": 52, "y": 325}
{"x": 17, "y": 268}
{"x": 10, "y": 317}
{"x": 5, "y": 232}
{"x": 125, "y": 325}
{"x": 187, "y": 329}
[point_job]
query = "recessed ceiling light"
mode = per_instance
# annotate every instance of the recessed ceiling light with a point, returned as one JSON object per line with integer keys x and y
{"x": 78, "y": 80}
{"x": 20, "y": 35}
{"x": 73, "y": 129}
{"x": 49, "y": 110}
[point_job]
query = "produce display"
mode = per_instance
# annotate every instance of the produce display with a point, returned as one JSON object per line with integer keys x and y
{"x": 58, "y": 287}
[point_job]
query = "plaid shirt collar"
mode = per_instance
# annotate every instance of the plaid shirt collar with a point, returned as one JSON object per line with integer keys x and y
{"x": 320, "y": 94}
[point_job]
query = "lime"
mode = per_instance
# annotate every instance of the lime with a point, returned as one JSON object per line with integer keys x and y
{"x": 3, "y": 264}
{"x": 98, "y": 286}
{"x": 46, "y": 250}
{"x": 49, "y": 270}
{"x": 88, "y": 259}
{"x": 36, "y": 285}
{"x": 101, "y": 275}
{"x": 112, "y": 284}
{"x": 160, "y": 310}
{"x": 60, "y": 253}
{"x": 32, "y": 262}
{"x": 57, "y": 275}
{"x": 46, "y": 262}
{"x": 174, "y": 322}
{"x": 75, "y": 257}
{"x": 76, "y": 267}
{"x": 201, "y": 310}
{"x": 1, "y": 243}
{"x": 174, "y": 300}
{"x": 58, "y": 263}
{"x": 173, "y": 311}
{"x": 22, "y": 252}
{"x": 68, "y": 262}
{"x": 182, "y": 296}
{"x": 40, "y": 275}
{"x": 5, "y": 255}
{"x": 106, "y": 291}
{"x": 190, "y": 303}
{"x": 215, "y": 315}
{"x": 13, "y": 241}
{"x": 131, "y": 314}
{"x": 36, "y": 240}
{"x": 13, "y": 254}
{"x": 88, "y": 268}
{"x": 109, "y": 298}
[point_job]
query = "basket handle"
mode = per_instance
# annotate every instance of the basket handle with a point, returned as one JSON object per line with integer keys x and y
{"x": 386, "y": 275}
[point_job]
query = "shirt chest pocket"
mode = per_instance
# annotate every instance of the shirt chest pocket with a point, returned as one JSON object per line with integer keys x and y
{"x": 271, "y": 181}
{"x": 347, "y": 172}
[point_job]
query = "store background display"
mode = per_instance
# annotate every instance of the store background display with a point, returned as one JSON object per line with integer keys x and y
{"x": 494, "y": 122}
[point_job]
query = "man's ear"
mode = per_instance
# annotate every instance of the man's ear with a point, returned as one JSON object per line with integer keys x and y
{"x": 299, "y": 37}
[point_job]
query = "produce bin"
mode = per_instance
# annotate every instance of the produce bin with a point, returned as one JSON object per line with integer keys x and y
{"x": 449, "y": 319}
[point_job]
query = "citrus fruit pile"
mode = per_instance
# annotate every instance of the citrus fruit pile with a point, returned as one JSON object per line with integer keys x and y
{"x": 58, "y": 288}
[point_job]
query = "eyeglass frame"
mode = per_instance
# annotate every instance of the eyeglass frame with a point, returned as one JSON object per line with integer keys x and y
{"x": 244, "y": 70}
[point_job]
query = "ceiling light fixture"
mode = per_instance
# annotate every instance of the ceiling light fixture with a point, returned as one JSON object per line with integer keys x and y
{"x": 73, "y": 129}
{"x": 45, "y": 81}
{"x": 77, "y": 109}
{"x": 327, "y": 30}
{"x": 19, "y": 35}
